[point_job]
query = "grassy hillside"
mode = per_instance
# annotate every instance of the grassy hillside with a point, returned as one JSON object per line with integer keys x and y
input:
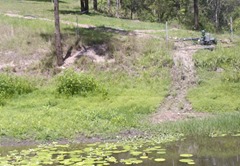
{"x": 124, "y": 91}
{"x": 70, "y": 11}
{"x": 132, "y": 86}
{"x": 219, "y": 80}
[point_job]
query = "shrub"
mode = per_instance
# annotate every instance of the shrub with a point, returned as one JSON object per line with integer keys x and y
{"x": 14, "y": 85}
{"x": 72, "y": 83}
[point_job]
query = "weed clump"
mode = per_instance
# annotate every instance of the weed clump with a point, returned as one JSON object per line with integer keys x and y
{"x": 72, "y": 83}
{"x": 233, "y": 76}
{"x": 13, "y": 85}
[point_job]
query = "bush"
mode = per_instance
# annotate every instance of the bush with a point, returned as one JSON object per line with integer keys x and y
{"x": 12, "y": 85}
{"x": 72, "y": 83}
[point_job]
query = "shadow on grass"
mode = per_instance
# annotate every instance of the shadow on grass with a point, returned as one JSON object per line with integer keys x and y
{"x": 112, "y": 30}
{"x": 76, "y": 11}
{"x": 73, "y": 12}
{"x": 90, "y": 36}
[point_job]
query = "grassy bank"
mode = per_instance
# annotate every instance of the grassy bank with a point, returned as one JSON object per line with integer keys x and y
{"x": 135, "y": 84}
{"x": 127, "y": 90}
{"x": 219, "y": 80}
{"x": 44, "y": 114}
{"x": 215, "y": 125}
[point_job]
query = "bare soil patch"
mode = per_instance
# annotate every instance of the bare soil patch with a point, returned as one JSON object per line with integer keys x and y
{"x": 13, "y": 62}
{"x": 97, "y": 53}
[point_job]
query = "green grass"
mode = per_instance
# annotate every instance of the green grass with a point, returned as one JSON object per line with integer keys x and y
{"x": 24, "y": 37}
{"x": 44, "y": 114}
{"x": 213, "y": 126}
{"x": 69, "y": 9}
{"x": 136, "y": 84}
{"x": 178, "y": 33}
{"x": 33, "y": 39}
{"x": 217, "y": 91}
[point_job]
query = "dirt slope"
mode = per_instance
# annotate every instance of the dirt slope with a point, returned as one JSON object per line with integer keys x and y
{"x": 176, "y": 106}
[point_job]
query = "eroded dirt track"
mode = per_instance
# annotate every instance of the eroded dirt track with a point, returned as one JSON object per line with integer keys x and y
{"x": 176, "y": 106}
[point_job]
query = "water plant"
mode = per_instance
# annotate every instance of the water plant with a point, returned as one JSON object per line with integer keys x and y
{"x": 186, "y": 155}
{"x": 188, "y": 161}
{"x": 159, "y": 159}
{"x": 90, "y": 154}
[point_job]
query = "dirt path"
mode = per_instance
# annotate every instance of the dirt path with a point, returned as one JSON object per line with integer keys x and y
{"x": 30, "y": 17}
{"x": 176, "y": 106}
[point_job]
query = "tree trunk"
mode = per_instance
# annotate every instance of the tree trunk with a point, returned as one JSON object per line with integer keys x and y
{"x": 196, "y": 14}
{"x": 118, "y": 6}
{"x": 58, "y": 43}
{"x": 109, "y": 4}
{"x": 95, "y": 5}
{"x": 82, "y": 5}
{"x": 217, "y": 4}
{"x": 86, "y": 7}
{"x": 131, "y": 10}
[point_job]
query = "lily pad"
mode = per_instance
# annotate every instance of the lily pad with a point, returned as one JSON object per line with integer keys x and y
{"x": 137, "y": 161}
{"x": 144, "y": 157}
{"x": 191, "y": 163}
{"x": 186, "y": 160}
{"x": 159, "y": 159}
{"x": 161, "y": 152}
{"x": 186, "y": 155}
{"x": 236, "y": 135}
{"x": 135, "y": 153}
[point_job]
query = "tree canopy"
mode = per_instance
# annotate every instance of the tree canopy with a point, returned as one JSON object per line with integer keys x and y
{"x": 213, "y": 15}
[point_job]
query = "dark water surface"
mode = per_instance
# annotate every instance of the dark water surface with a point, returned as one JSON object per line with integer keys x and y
{"x": 219, "y": 151}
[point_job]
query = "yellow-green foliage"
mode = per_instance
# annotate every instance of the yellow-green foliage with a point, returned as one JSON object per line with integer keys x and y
{"x": 73, "y": 83}
{"x": 11, "y": 85}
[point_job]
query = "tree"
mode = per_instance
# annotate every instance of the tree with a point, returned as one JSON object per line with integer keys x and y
{"x": 109, "y": 4}
{"x": 196, "y": 15}
{"x": 84, "y": 6}
{"x": 95, "y": 5}
{"x": 58, "y": 44}
{"x": 118, "y": 7}
{"x": 217, "y": 13}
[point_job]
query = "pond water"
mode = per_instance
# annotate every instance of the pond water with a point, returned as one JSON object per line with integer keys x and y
{"x": 218, "y": 151}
